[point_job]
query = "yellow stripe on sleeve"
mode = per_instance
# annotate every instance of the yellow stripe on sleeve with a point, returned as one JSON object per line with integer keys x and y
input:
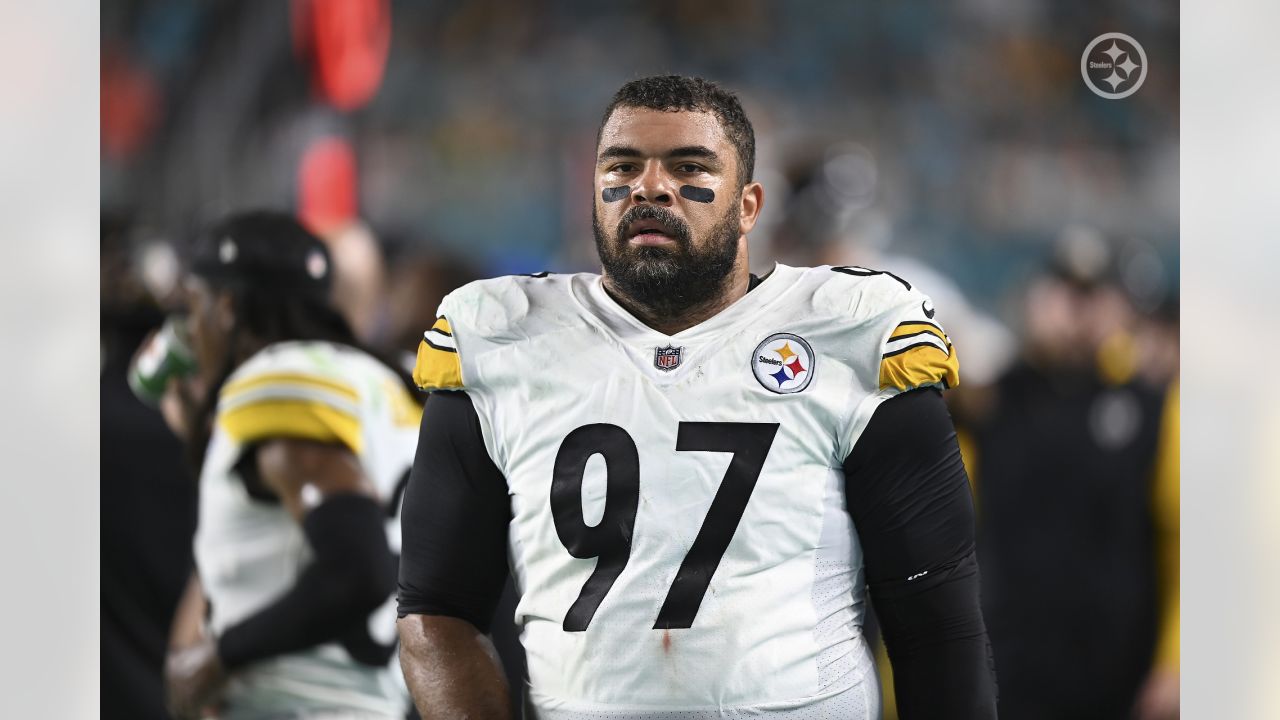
{"x": 437, "y": 369}
{"x": 292, "y": 418}
{"x": 292, "y": 379}
{"x": 918, "y": 366}
{"x": 438, "y": 366}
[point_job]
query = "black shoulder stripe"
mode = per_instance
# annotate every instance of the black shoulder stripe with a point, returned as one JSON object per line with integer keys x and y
{"x": 913, "y": 346}
{"x": 866, "y": 272}
{"x": 438, "y": 347}
{"x": 914, "y": 334}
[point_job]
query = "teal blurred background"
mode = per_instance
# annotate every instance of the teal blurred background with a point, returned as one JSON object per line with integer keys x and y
{"x": 955, "y": 144}
{"x": 957, "y": 133}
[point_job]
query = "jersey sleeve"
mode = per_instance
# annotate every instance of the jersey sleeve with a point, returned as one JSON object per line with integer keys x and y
{"x": 438, "y": 367}
{"x": 287, "y": 395}
{"x": 916, "y": 351}
{"x": 887, "y": 336}
{"x": 472, "y": 322}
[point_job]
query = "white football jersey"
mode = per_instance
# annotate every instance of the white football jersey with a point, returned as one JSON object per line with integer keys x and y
{"x": 250, "y": 551}
{"x": 679, "y": 536}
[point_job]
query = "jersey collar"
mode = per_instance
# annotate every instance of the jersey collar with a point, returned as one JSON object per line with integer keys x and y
{"x": 606, "y": 311}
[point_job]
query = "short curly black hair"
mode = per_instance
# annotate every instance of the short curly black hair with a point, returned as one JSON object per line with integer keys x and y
{"x": 673, "y": 93}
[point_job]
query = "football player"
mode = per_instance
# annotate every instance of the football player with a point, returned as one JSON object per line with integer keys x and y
{"x": 304, "y": 441}
{"x": 697, "y": 474}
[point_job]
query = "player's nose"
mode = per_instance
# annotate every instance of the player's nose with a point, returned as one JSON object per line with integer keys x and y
{"x": 653, "y": 186}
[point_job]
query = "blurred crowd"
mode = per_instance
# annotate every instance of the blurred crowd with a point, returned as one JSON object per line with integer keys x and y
{"x": 960, "y": 132}
{"x": 954, "y": 144}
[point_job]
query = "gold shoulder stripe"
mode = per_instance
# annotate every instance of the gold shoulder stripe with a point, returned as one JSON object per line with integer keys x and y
{"x": 303, "y": 419}
{"x": 438, "y": 367}
{"x": 316, "y": 382}
{"x": 442, "y": 326}
{"x": 918, "y": 366}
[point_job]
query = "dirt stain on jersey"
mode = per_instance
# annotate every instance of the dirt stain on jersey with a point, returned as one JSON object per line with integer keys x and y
{"x": 666, "y": 641}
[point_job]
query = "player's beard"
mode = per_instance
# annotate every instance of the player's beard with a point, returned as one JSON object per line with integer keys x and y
{"x": 668, "y": 280}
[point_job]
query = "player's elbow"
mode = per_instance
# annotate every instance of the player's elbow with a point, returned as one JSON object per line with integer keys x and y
{"x": 424, "y": 638}
{"x": 423, "y": 634}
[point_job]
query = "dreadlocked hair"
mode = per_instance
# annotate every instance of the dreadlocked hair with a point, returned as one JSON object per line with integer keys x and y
{"x": 267, "y": 316}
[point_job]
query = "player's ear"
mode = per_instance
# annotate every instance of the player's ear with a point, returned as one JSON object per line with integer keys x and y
{"x": 752, "y": 203}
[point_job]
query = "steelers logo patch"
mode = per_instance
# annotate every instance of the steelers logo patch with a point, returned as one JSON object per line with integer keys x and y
{"x": 783, "y": 363}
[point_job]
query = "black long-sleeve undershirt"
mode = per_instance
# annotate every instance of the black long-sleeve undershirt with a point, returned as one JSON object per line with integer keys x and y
{"x": 907, "y": 493}
{"x": 453, "y": 556}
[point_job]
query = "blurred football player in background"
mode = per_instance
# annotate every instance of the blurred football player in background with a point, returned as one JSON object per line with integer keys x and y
{"x": 831, "y": 218}
{"x": 303, "y": 442}
{"x": 773, "y": 448}
{"x": 1075, "y": 462}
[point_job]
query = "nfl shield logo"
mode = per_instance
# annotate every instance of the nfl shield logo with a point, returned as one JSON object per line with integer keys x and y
{"x": 667, "y": 358}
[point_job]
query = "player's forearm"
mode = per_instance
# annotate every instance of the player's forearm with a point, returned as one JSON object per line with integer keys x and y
{"x": 451, "y": 669}
{"x": 938, "y": 645}
{"x": 352, "y": 572}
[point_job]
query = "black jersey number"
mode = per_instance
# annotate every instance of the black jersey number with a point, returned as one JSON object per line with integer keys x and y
{"x": 610, "y": 540}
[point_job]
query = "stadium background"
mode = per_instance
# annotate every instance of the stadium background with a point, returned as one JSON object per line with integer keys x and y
{"x": 456, "y": 139}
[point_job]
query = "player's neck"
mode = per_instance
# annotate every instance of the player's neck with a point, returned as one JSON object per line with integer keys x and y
{"x": 667, "y": 322}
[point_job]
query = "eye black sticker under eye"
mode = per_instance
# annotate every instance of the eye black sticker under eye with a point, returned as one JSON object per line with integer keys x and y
{"x": 614, "y": 194}
{"x": 697, "y": 194}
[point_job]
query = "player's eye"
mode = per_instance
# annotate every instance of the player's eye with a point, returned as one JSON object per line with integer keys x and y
{"x": 623, "y": 168}
{"x": 689, "y": 168}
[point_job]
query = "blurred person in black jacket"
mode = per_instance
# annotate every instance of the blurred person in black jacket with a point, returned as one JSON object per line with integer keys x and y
{"x": 148, "y": 503}
{"x": 1075, "y": 466}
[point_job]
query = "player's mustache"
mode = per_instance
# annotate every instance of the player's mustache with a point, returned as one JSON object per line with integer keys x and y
{"x": 678, "y": 228}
